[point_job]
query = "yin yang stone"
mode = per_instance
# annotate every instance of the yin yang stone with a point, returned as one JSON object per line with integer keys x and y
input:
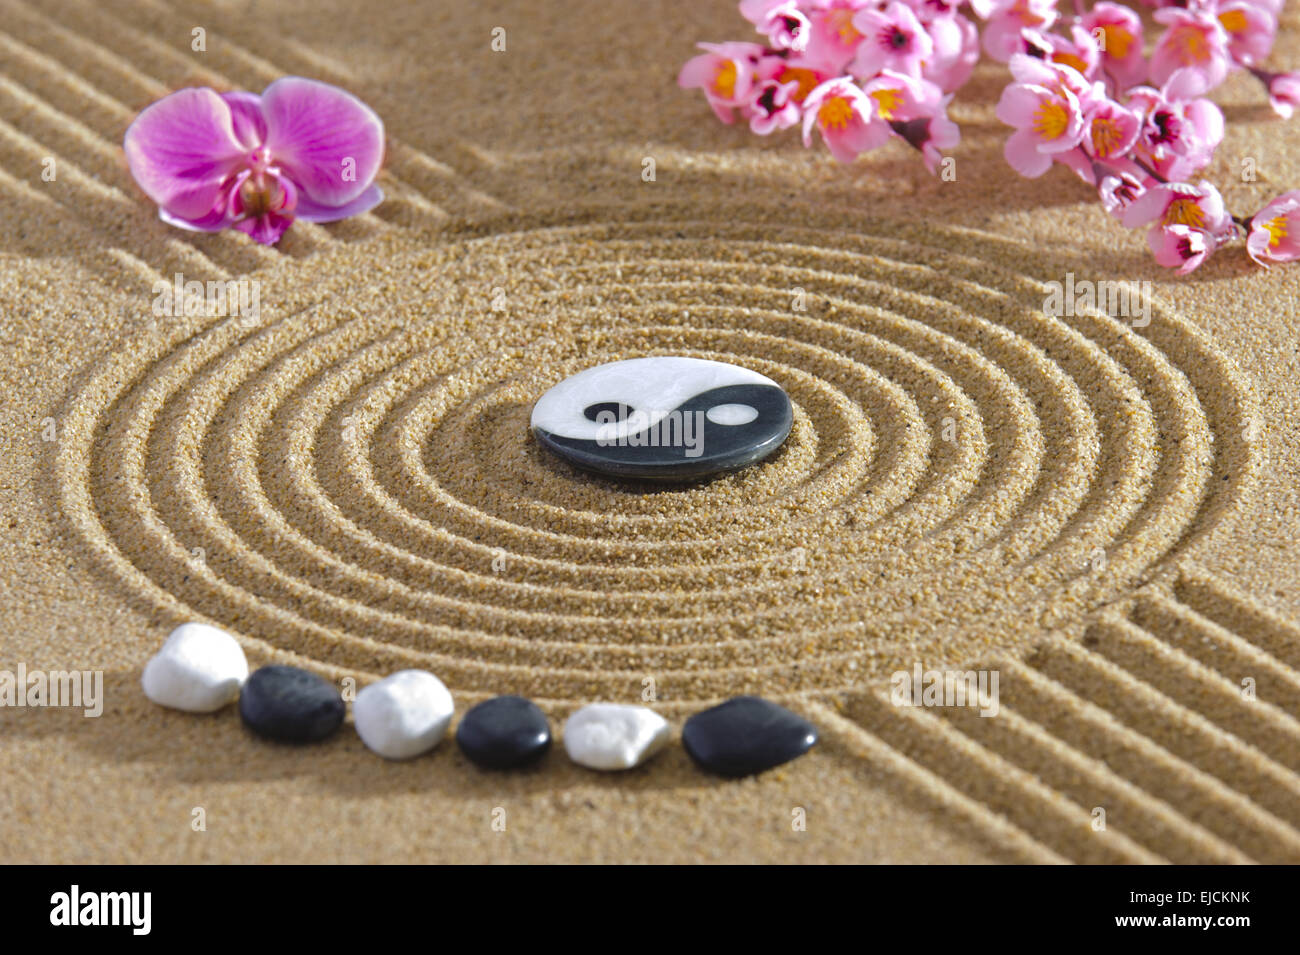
{"x": 663, "y": 418}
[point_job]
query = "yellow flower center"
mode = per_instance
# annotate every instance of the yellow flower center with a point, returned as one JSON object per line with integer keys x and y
{"x": 1234, "y": 21}
{"x": 806, "y": 79}
{"x": 1069, "y": 59}
{"x": 835, "y": 113}
{"x": 1106, "y": 136}
{"x": 724, "y": 84}
{"x": 1117, "y": 40}
{"x": 1051, "y": 120}
{"x": 1277, "y": 231}
{"x": 1185, "y": 212}
{"x": 1020, "y": 10}
{"x": 887, "y": 102}
{"x": 841, "y": 21}
{"x": 1190, "y": 42}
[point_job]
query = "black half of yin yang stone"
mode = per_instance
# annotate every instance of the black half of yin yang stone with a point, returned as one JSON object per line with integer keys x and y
{"x": 661, "y": 452}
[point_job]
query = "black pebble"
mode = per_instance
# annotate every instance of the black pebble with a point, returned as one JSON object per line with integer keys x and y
{"x": 746, "y": 735}
{"x": 505, "y": 732}
{"x": 290, "y": 705}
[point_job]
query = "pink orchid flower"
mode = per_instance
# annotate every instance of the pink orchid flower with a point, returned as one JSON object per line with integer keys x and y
{"x": 1006, "y": 18}
{"x": 1195, "y": 40}
{"x": 301, "y": 150}
{"x": 1180, "y": 247}
{"x": 1275, "y": 230}
{"x": 781, "y": 21}
{"x": 1048, "y": 120}
{"x": 1120, "y": 41}
{"x": 1250, "y": 28}
{"x": 842, "y": 114}
{"x": 725, "y": 72}
{"x": 893, "y": 39}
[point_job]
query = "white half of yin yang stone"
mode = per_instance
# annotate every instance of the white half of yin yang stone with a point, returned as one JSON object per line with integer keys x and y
{"x": 655, "y": 386}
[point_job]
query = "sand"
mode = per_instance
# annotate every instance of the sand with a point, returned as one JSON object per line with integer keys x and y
{"x": 1101, "y": 511}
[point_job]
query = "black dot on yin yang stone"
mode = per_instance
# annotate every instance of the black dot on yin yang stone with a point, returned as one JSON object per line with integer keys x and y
{"x": 619, "y": 411}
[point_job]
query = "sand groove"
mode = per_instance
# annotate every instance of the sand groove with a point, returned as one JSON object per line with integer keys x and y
{"x": 353, "y": 483}
{"x": 1193, "y": 775}
{"x": 79, "y": 92}
{"x": 422, "y": 191}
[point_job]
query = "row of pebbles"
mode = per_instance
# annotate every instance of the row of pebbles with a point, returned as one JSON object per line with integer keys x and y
{"x": 201, "y": 669}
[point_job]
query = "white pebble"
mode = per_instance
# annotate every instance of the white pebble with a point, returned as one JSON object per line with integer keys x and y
{"x": 199, "y": 669}
{"x": 403, "y": 715}
{"x": 614, "y": 735}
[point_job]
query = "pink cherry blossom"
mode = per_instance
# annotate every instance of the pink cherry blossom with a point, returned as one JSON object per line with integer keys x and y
{"x": 892, "y": 39}
{"x": 842, "y": 114}
{"x": 781, "y": 21}
{"x": 1181, "y": 203}
{"x": 1118, "y": 190}
{"x": 1037, "y": 71}
{"x": 1193, "y": 39}
{"x": 1181, "y": 129}
{"x": 956, "y": 44}
{"x": 1275, "y": 230}
{"x": 1048, "y": 121}
{"x": 1120, "y": 42}
{"x": 1180, "y": 247}
{"x": 1082, "y": 93}
{"x": 833, "y": 35}
{"x": 1006, "y": 18}
{"x": 301, "y": 150}
{"x": 914, "y": 110}
{"x": 725, "y": 72}
{"x": 1283, "y": 91}
{"x": 1250, "y": 28}
{"x": 1109, "y": 130}
{"x": 1079, "y": 51}
{"x": 774, "y": 107}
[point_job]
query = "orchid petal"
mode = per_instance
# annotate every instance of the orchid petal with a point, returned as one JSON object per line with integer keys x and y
{"x": 309, "y": 210}
{"x": 319, "y": 134}
{"x": 246, "y": 116}
{"x": 182, "y": 150}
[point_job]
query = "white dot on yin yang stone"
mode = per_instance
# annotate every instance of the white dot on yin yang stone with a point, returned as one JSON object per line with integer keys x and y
{"x": 731, "y": 414}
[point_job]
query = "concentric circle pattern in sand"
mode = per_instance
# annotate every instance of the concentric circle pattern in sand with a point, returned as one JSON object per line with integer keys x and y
{"x": 352, "y": 482}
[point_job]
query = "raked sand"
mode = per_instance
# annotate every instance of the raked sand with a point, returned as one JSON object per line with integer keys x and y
{"x": 1103, "y": 511}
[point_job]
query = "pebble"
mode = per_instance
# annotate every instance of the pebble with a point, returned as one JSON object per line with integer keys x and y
{"x": 505, "y": 732}
{"x": 198, "y": 669}
{"x": 403, "y": 715}
{"x": 667, "y": 418}
{"x": 614, "y": 735}
{"x": 290, "y": 705}
{"x": 746, "y": 735}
